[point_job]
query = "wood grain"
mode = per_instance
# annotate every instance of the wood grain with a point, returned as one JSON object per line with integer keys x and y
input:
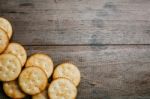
{"x": 108, "y": 72}
{"x": 107, "y": 39}
{"x": 78, "y": 22}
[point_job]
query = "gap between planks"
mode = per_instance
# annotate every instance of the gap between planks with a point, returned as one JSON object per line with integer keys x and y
{"x": 90, "y": 45}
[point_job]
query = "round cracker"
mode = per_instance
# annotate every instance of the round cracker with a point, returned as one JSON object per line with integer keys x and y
{"x": 67, "y": 70}
{"x": 42, "y": 95}
{"x": 18, "y": 50}
{"x": 10, "y": 67}
{"x": 6, "y": 26}
{"x": 42, "y": 61}
{"x": 33, "y": 80}
{"x": 3, "y": 40}
{"x": 62, "y": 88}
{"x": 12, "y": 90}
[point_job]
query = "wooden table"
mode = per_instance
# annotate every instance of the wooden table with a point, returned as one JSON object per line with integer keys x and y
{"x": 107, "y": 39}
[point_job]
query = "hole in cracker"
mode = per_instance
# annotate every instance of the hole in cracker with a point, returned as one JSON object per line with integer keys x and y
{"x": 21, "y": 54}
{"x": 13, "y": 71}
{"x": 46, "y": 65}
{"x": 9, "y": 60}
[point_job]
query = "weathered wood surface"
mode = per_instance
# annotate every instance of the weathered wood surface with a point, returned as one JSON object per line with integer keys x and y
{"x": 62, "y": 22}
{"x": 73, "y": 30}
{"x": 108, "y": 72}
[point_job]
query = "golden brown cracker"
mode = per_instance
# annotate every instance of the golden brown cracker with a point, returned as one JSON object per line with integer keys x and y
{"x": 3, "y": 40}
{"x": 62, "y": 88}
{"x": 6, "y": 26}
{"x": 17, "y": 50}
{"x": 12, "y": 90}
{"x": 33, "y": 80}
{"x": 67, "y": 70}
{"x": 10, "y": 67}
{"x": 42, "y": 61}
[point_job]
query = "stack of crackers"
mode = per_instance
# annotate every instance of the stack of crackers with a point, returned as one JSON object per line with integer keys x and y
{"x": 22, "y": 76}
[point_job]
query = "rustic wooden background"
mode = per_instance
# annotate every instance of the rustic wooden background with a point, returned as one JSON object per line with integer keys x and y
{"x": 107, "y": 39}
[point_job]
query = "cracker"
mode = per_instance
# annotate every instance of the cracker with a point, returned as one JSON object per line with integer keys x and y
{"x": 18, "y": 50}
{"x": 42, "y": 95}
{"x": 33, "y": 80}
{"x": 62, "y": 88}
{"x": 6, "y": 26}
{"x": 10, "y": 67}
{"x": 12, "y": 90}
{"x": 67, "y": 70}
{"x": 43, "y": 61}
{"x": 3, "y": 40}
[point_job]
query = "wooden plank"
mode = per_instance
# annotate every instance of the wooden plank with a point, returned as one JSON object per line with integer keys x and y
{"x": 107, "y": 72}
{"x": 66, "y": 22}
